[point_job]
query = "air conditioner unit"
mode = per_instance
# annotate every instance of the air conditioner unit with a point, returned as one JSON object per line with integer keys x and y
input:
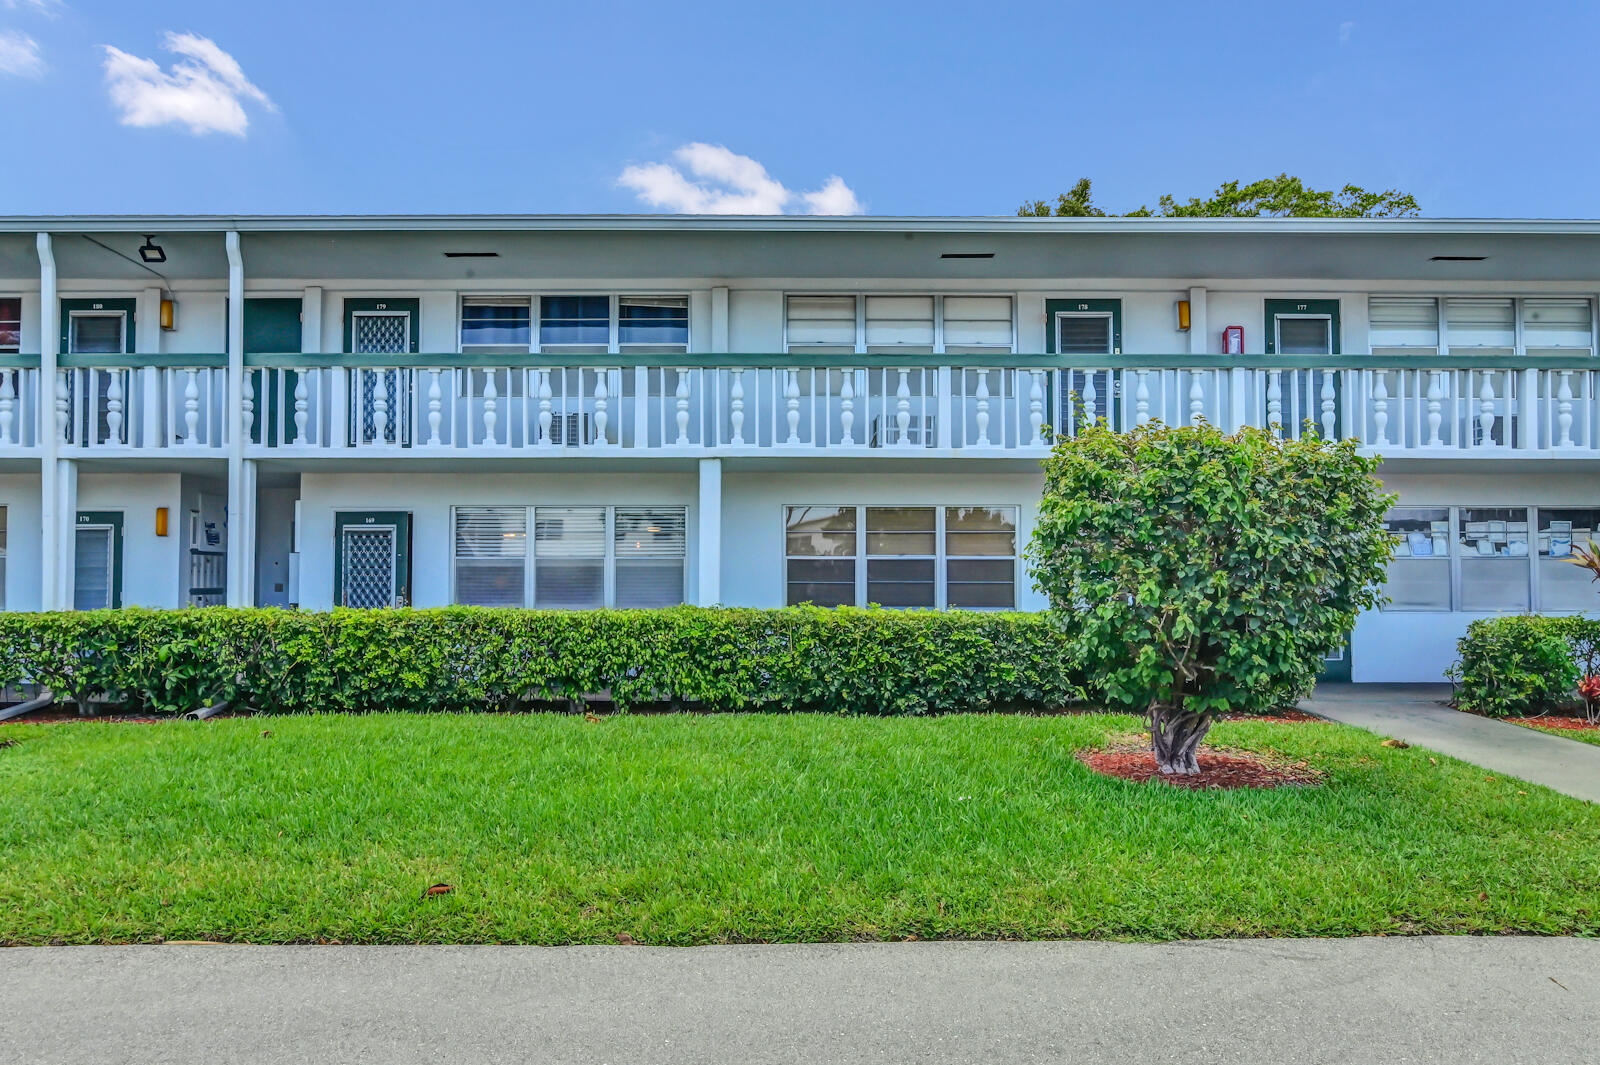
{"x": 886, "y": 431}
{"x": 572, "y": 430}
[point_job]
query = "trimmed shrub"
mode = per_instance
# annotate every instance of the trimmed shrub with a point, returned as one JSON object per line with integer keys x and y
{"x": 1524, "y": 664}
{"x": 465, "y": 658}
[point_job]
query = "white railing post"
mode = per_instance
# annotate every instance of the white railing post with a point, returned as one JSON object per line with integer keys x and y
{"x": 435, "y": 407}
{"x": 1328, "y": 419}
{"x": 1275, "y": 402}
{"x": 380, "y": 407}
{"x": 191, "y": 407}
{"x": 600, "y": 415}
{"x": 1486, "y": 408}
{"x": 546, "y": 416}
{"x": 1380, "y": 407}
{"x": 1197, "y": 397}
{"x": 680, "y": 396}
{"x": 1564, "y": 410}
{"x": 1435, "y": 405}
{"x": 736, "y": 407}
{"x": 1141, "y": 397}
{"x": 982, "y": 415}
{"x": 1036, "y": 408}
{"x": 340, "y": 379}
{"x": 791, "y": 403}
{"x": 150, "y": 408}
{"x": 114, "y": 407}
{"x": 1528, "y": 430}
{"x": 902, "y": 409}
{"x": 847, "y": 406}
{"x": 248, "y": 393}
{"x": 8, "y": 402}
{"x": 302, "y": 396}
{"x": 641, "y": 406}
{"x": 944, "y": 408}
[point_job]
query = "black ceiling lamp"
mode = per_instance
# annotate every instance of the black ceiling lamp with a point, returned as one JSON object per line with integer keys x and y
{"x": 151, "y": 252}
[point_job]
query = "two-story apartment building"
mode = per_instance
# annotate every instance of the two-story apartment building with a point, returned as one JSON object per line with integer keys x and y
{"x": 638, "y": 411}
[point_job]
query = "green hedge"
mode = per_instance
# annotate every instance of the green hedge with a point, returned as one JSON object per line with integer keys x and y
{"x": 1523, "y": 664}
{"x": 464, "y": 658}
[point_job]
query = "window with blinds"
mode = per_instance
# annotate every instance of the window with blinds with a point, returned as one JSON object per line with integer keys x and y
{"x": 821, "y": 325}
{"x": 649, "y": 546}
{"x": 10, "y": 325}
{"x": 899, "y": 324}
{"x": 496, "y": 325}
{"x": 901, "y": 556}
{"x": 656, "y": 325}
{"x": 820, "y": 554}
{"x": 980, "y": 549}
{"x": 1083, "y": 334}
{"x": 1557, "y": 326}
{"x": 1403, "y": 325}
{"x": 576, "y": 325}
{"x": 569, "y": 557}
{"x": 977, "y": 325}
{"x": 491, "y": 555}
{"x": 1486, "y": 326}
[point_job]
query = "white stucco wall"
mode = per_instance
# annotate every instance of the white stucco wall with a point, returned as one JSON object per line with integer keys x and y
{"x": 153, "y": 569}
{"x": 19, "y": 494}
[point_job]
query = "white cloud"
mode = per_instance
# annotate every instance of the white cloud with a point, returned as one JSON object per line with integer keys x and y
{"x": 725, "y": 182}
{"x": 1345, "y": 30}
{"x": 19, "y": 55}
{"x": 202, "y": 91}
{"x": 43, "y": 7}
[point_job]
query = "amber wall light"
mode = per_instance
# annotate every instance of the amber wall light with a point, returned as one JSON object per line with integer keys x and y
{"x": 161, "y": 521}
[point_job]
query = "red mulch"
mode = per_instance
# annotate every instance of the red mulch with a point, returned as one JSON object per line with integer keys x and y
{"x": 1219, "y": 770}
{"x": 1282, "y": 717}
{"x": 1577, "y": 724}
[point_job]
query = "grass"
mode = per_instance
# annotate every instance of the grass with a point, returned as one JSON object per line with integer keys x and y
{"x": 683, "y": 829}
{"x": 1581, "y": 735}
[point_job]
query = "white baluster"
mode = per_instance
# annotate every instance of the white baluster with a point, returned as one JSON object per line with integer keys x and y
{"x": 847, "y": 406}
{"x": 1486, "y": 408}
{"x": 1197, "y": 397}
{"x": 1141, "y": 398}
{"x": 1564, "y": 410}
{"x": 114, "y": 408}
{"x": 1089, "y": 396}
{"x": 435, "y": 407}
{"x": 902, "y": 410}
{"x": 545, "y": 416}
{"x": 1275, "y": 402}
{"x": 1435, "y": 406}
{"x": 681, "y": 395}
{"x": 1036, "y": 408}
{"x": 1328, "y": 424}
{"x": 736, "y": 408}
{"x": 600, "y": 415}
{"x": 191, "y": 407}
{"x": 62, "y": 414}
{"x": 791, "y": 402}
{"x": 490, "y": 416}
{"x": 983, "y": 408}
{"x": 8, "y": 404}
{"x": 248, "y": 401}
{"x": 301, "y": 407}
{"x": 1380, "y": 406}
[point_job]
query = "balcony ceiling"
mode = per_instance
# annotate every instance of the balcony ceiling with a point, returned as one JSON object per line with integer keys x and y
{"x": 726, "y": 248}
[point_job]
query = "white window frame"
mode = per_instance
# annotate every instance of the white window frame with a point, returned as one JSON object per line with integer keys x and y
{"x": 941, "y": 557}
{"x": 614, "y": 304}
{"x": 72, "y": 332}
{"x": 938, "y": 298}
{"x": 530, "y": 577}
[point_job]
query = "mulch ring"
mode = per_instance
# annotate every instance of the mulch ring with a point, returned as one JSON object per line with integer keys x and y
{"x": 1220, "y": 770}
{"x": 1576, "y": 724}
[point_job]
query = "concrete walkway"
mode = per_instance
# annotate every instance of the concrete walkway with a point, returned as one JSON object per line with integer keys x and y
{"x": 1442, "y": 1000}
{"x": 1416, "y": 713}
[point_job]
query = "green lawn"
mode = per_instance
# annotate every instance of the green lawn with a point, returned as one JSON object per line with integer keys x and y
{"x": 683, "y": 829}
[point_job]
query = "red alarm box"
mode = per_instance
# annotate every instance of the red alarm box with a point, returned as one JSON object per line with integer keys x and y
{"x": 1233, "y": 340}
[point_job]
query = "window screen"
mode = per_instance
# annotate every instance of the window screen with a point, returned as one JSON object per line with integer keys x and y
{"x": 1488, "y": 325}
{"x": 92, "y": 572}
{"x": 1494, "y": 558}
{"x": 491, "y": 555}
{"x": 569, "y": 557}
{"x": 579, "y": 325}
{"x": 496, "y": 325}
{"x": 822, "y": 325}
{"x": 1304, "y": 336}
{"x": 1419, "y": 566}
{"x": 980, "y": 546}
{"x": 653, "y": 324}
{"x": 1563, "y": 586}
{"x": 900, "y": 324}
{"x": 1562, "y": 326}
{"x": 97, "y": 334}
{"x": 1083, "y": 334}
{"x": 820, "y": 549}
{"x": 901, "y": 548}
{"x": 1400, "y": 325}
{"x": 10, "y": 324}
{"x": 976, "y": 325}
{"x": 648, "y": 545}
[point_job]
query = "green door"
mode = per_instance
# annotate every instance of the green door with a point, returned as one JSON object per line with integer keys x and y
{"x": 97, "y": 560}
{"x": 372, "y": 558}
{"x": 272, "y": 326}
{"x": 1305, "y": 327}
{"x": 379, "y": 327}
{"x": 1091, "y": 328}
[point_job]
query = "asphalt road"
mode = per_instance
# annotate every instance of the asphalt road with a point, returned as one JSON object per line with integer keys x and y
{"x": 1368, "y": 1001}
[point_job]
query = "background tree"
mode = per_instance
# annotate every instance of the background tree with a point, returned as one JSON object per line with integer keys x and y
{"x": 1198, "y": 572}
{"x": 1276, "y": 197}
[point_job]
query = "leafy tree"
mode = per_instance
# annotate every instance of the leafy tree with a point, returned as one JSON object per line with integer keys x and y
{"x": 1276, "y": 197}
{"x": 1197, "y": 572}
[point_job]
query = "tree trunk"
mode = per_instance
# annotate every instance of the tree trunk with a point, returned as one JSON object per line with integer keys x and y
{"x": 1175, "y": 737}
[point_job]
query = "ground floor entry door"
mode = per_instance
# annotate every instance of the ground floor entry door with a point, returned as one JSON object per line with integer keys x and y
{"x": 372, "y": 558}
{"x": 97, "y": 560}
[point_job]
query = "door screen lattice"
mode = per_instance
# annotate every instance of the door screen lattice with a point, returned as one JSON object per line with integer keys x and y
{"x": 382, "y": 334}
{"x": 369, "y": 559}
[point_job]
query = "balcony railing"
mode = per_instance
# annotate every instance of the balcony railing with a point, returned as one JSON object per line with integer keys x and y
{"x": 458, "y": 405}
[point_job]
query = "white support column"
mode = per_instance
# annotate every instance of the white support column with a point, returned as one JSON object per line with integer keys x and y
{"x": 311, "y": 319}
{"x": 241, "y": 503}
{"x": 66, "y": 485}
{"x": 1199, "y": 333}
{"x": 709, "y": 541}
{"x": 53, "y": 542}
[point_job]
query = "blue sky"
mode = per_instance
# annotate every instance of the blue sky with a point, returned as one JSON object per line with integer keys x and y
{"x": 894, "y": 108}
